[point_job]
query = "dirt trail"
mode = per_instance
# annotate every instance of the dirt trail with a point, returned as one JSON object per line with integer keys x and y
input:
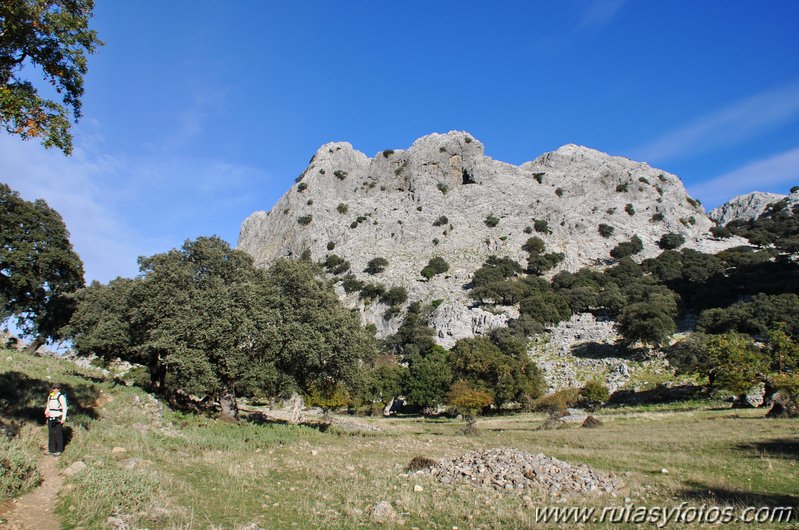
{"x": 34, "y": 510}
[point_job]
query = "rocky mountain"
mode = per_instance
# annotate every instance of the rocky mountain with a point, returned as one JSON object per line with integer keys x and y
{"x": 751, "y": 206}
{"x": 745, "y": 207}
{"x": 443, "y": 197}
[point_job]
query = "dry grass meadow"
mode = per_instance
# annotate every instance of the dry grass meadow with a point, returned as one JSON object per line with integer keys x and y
{"x": 150, "y": 467}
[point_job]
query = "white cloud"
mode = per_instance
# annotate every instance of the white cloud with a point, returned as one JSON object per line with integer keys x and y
{"x": 729, "y": 126}
{"x": 597, "y": 14}
{"x": 775, "y": 174}
{"x": 107, "y": 245}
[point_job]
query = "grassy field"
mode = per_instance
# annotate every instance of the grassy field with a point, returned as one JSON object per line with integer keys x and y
{"x": 155, "y": 468}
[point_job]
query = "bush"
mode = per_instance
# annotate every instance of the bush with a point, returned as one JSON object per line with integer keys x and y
{"x": 605, "y": 230}
{"x": 436, "y": 265}
{"x": 627, "y": 248}
{"x": 630, "y": 209}
{"x": 305, "y": 219}
{"x": 594, "y": 392}
{"x": 671, "y": 241}
{"x": 657, "y": 217}
{"x": 443, "y": 188}
{"x": 491, "y": 221}
{"x": 376, "y": 265}
{"x": 441, "y": 221}
{"x": 370, "y": 291}
{"x": 336, "y": 264}
{"x": 720, "y": 232}
{"x": 387, "y": 153}
{"x": 302, "y": 186}
{"x": 534, "y": 245}
{"x": 351, "y": 284}
{"x": 395, "y": 296}
{"x": 331, "y": 245}
{"x": 467, "y": 399}
{"x": 558, "y": 401}
{"x": 342, "y": 208}
{"x": 559, "y": 192}
{"x": 622, "y": 188}
{"x": 339, "y": 174}
{"x": 541, "y": 226}
{"x": 539, "y": 177}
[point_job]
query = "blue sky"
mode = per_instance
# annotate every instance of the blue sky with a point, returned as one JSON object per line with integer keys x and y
{"x": 198, "y": 113}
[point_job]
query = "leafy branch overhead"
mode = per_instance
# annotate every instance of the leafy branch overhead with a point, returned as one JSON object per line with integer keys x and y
{"x": 54, "y": 37}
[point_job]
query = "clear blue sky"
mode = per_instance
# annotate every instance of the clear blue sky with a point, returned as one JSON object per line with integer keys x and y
{"x": 198, "y": 113}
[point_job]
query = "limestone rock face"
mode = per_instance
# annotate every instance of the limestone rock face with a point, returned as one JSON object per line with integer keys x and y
{"x": 745, "y": 207}
{"x": 433, "y": 199}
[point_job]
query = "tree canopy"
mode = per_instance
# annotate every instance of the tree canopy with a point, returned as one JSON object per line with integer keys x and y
{"x": 38, "y": 267}
{"x": 54, "y": 37}
{"x": 206, "y": 322}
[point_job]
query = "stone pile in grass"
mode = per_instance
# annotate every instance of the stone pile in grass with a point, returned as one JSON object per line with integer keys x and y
{"x": 512, "y": 470}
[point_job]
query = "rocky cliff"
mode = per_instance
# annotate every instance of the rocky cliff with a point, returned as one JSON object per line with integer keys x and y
{"x": 444, "y": 197}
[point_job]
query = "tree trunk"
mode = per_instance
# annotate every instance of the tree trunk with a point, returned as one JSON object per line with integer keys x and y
{"x": 35, "y": 344}
{"x": 296, "y": 408}
{"x": 230, "y": 407}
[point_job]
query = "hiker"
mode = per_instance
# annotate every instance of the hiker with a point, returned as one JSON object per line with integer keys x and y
{"x": 56, "y": 413}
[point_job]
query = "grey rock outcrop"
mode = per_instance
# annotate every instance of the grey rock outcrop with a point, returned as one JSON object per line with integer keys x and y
{"x": 433, "y": 199}
{"x": 744, "y": 207}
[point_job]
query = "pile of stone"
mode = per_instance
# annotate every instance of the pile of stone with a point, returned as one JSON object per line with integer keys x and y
{"x": 512, "y": 470}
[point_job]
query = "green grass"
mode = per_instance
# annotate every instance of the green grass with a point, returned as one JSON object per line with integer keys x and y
{"x": 186, "y": 471}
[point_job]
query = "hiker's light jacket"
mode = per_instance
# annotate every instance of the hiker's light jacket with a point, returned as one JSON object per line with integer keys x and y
{"x": 56, "y": 406}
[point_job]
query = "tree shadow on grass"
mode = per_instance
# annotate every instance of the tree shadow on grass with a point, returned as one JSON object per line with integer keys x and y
{"x": 659, "y": 394}
{"x": 23, "y": 398}
{"x": 699, "y": 492}
{"x": 787, "y": 448}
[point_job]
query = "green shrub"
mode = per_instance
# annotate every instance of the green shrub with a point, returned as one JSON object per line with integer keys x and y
{"x": 643, "y": 179}
{"x": 331, "y": 245}
{"x": 436, "y": 265}
{"x": 594, "y": 392}
{"x": 559, "y": 192}
{"x": 605, "y": 230}
{"x": 371, "y": 291}
{"x": 629, "y": 208}
{"x": 491, "y": 221}
{"x": 541, "y": 226}
{"x": 539, "y": 177}
{"x": 339, "y": 174}
{"x": 622, "y": 188}
{"x": 342, "y": 208}
{"x": 558, "y": 401}
{"x": 657, "y": 217}
{"x": 441, "y": 221}
{"x": 443, "y": 188}
{"x": 671, "y": 241}
{"x": 376, "y": 265}
{"x": 305, "y": 219}
{"x": 395, "y": 296}
{"x": 351, "y": 284}
{"x": 627, "y": 248}
{"x": 528, "y": 230}
{"x": 387, "y": 153}
{"x": 336, "y": 264}
{"x": 720, "y": 232}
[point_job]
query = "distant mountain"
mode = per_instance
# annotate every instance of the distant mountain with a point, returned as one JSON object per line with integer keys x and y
{"x": 443, "y": 197}
{"x": 749, "y": 206}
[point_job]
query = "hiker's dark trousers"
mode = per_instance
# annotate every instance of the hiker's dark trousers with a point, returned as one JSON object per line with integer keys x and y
{"x": 55, "y": 442}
